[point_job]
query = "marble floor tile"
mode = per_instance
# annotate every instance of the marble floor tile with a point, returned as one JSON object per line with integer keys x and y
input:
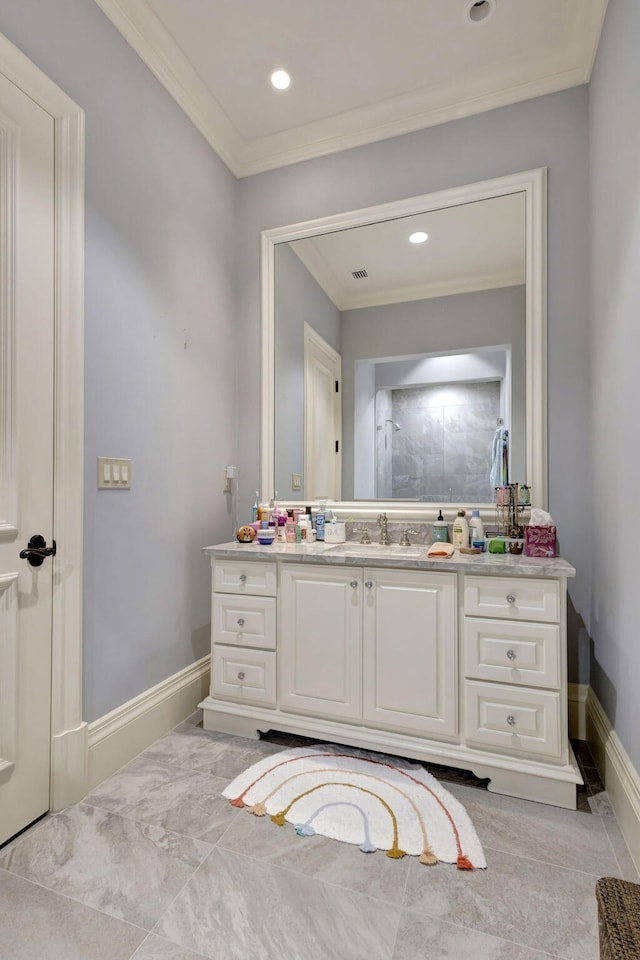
{"x": 217, "y": 754}
{"x": 173, "y": 798}
{"x": 156, "y": 948}
{"x": 129, "y": 870}
{"x": 536, "y": 905}
{"x": 423, "y": 938}
{"x": 538, "y": 831}
{"x": 342, "y": 864}
{"x": 239, "y": 908}
{"x": 36, "y": 924}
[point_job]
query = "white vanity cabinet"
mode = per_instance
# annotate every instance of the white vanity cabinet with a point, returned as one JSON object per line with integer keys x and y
{"x": 410, "y": 651}
{"x": 513, "y": 666}
{"x": 320, "y": 640}
{"x": 243, "y": 633}
{"x": 370, "y": 645}
{"x": 460, "y": 663}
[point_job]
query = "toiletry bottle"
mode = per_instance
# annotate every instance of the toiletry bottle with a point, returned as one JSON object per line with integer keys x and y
{"x": 298, "y": 532}
{"x": 460, "y": 537}
{"x": 440, "y": 529}
{"x": 476, "y": 530}
{"x": 290, "y": 531}
{"x": 254, "y": 512}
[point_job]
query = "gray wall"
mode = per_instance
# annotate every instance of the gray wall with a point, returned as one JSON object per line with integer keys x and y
{"x": 298, "y": 298}
{"x": 549, "y": 131}
{"x": 479, "y": 319}
{"x": 614, "y": 343}
{"x": 161, "y": 349}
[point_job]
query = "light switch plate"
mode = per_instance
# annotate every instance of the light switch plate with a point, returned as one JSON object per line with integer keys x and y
{"x": 110, "y": 467}
{"x": 296, "y": 481}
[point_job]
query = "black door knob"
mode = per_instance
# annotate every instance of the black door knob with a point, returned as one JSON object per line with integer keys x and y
{"x": 37, "y": 550}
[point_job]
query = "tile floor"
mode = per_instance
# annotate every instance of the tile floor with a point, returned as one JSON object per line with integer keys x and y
{"x": 155, "y": 865}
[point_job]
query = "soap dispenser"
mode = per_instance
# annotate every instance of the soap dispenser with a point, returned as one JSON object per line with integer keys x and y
{"x": 440, "y": 529}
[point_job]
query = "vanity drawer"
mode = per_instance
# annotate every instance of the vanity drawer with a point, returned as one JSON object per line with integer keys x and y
{"x": 512, "y": 598}
{"x": 248, "y": 676}
{"x": 519, "y": 653}
{"x": 514, "y": 719}
{"x": 236, "y": 576}
{"x": 245, "y": 621}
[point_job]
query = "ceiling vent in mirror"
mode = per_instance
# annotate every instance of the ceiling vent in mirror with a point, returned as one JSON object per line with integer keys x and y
{"x": 359, "y": 274}
{"x": 479, "y": 11}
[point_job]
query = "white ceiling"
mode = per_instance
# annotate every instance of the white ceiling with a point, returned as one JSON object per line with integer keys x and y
{"x": 363, "y": 70}
{"x": 474, "y": 246}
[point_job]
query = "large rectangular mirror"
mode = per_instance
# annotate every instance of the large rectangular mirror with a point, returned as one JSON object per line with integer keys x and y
{"x": 390, "y": 366}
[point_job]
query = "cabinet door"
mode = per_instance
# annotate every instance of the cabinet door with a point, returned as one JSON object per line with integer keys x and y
{"x": 410, "y": 644}
{"x": 320, "y": 640}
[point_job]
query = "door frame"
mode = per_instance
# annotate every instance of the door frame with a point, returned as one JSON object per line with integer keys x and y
{"x": 317, "y": 348}
{"x": 69, "y": 741}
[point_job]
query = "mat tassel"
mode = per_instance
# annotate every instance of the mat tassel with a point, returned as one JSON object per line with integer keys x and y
{"x": 428, "y": 856}
{"x": 463, "y": 863}
{"x": 258, "y": 809}
{"x": 368, "y": 847}
{"x": 238, "y": 802}
{"x": 278, "y": 818}
{"x": 396, "y": 854}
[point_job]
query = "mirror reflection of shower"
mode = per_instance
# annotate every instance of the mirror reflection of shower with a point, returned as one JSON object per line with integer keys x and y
{"x": 396, "y": 427}
{"x": 435, "y": 419}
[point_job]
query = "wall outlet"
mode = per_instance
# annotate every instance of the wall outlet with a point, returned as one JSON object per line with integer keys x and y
{"x": 296, "y": 481}
{"x": 114, "y": 473}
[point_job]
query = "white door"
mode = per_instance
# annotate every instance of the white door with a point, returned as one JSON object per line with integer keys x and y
{"x": 320, "y": 640}
{"x": 410, "y": 666}
{"x": 26, "y": 454}
{"x": 322, "y": 419}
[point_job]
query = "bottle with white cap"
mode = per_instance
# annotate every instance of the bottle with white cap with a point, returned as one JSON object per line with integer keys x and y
{"x": 476, "y": 530}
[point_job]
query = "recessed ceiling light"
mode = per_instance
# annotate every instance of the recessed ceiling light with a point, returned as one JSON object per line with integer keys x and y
{"x": 418, "y": 237}
{"x": 478, "y": 11}
{"x": 280, "y": 79}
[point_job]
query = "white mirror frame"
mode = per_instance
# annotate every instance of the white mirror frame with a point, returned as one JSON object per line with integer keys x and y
{"x": 533, "y": 183}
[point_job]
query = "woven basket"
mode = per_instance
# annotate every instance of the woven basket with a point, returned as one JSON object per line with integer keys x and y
{"x": 618, "y": 919}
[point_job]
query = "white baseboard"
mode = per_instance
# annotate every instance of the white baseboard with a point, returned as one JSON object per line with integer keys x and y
{"x": 617, "y": 772}
{"x": 578, "y": 710}
{"x": 129, "y": 729}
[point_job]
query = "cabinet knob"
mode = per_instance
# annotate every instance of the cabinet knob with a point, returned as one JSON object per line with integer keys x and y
{"x": 354, "y": 584}
{"x": 511, "y": 654}
{"x": 243, "y": 578}
{"x": 511, "y": 599}
{"x": 241, "y": 624}
{"x": 511, "y": 720}
{"x": 241, "y": 676}
{"x": 368, "y": 584}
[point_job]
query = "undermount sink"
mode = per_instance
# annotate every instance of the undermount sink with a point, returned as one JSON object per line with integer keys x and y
{"x": 372, "y": 549}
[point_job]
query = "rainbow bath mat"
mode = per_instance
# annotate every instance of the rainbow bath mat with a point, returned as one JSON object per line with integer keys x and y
{"x": 367, "y": 799}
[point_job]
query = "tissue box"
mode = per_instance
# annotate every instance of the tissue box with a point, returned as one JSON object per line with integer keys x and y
{"x": 335, "y": 532}
{"x": 539, "y": 541}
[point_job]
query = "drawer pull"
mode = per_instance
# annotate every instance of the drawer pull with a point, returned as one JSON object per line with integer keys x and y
{"x": 511, "y": 599}
{"x": 354, "y": 584}
{"x": 511, "y": 654}
{"x": 511, "y": 720}
{"x": 241, "y": 677}
{"x": 243, "y": 578}
{"x": 241, "y": 624}
{"x": 368, "y": 584}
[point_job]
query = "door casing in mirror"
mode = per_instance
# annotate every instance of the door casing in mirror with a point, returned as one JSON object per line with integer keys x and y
{"x": 533, "y": 184}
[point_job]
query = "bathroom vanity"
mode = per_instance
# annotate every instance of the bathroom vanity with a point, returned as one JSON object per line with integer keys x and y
{"x": 460, "y": 662}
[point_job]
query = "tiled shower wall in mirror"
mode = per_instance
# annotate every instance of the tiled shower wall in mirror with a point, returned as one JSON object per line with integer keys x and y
{"x": 434, "y": 443}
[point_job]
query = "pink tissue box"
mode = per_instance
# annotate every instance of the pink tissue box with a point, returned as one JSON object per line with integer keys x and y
{"x": 539, "y": 541}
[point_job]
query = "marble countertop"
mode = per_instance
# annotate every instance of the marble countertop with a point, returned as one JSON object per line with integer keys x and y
{"x": 414, "y": 557}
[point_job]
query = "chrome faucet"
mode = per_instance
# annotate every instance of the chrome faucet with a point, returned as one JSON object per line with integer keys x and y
{"x": 385, "y": 539}
{"x": 365, "y": 538}
{"x": 405, "y": 542}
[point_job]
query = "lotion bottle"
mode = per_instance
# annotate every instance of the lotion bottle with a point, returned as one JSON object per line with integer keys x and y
{"x": 460, "y": 537}
{"x": 476, "y": 530}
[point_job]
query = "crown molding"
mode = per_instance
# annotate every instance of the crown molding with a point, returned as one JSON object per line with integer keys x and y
{"x": 393, "y": 117}
{"x": 143, "y": 31}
